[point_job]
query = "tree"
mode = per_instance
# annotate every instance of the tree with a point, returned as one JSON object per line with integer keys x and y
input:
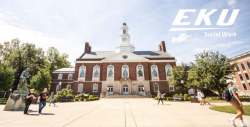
{"x": 178, "y": 77}
{"x": 21, "y": 57}
{"x": 41, "y": 80}
{"x": 211, "y": 71}
{"x": 6, "y": 77}
{"x": 55, "y": 60}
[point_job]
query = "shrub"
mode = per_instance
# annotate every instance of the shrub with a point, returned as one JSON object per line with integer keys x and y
{"x": 58, "y": 97}
{"x": 69, "y": 95}
{"x": 189, "y": 98}
{"x": 168, "y": 98}
{"x": 76, "y": 99}
{"x": 181, "y": 95}
{"x": 176, "y": 95}
{"x": 185, "y": 97}
{"x": 156, "y": 98}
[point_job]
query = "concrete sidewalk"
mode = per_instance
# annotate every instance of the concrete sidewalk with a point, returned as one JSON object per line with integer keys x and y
{"x": 120, "y": 113}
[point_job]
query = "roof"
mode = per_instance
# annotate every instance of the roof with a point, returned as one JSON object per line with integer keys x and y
{"x": 105, "y": 54}
{"x": 65, "y": 69}
{"x": 239, "y": 56}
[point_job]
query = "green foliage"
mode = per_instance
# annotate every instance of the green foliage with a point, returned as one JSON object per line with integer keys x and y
{"x": 41, "y": 80}
{"x": 176, "y": 95}
{"x": 168, "y": 98}
{"x": 6, "y": 77}
{"x": 210, "y": 70}
{"x": 70, "y": 95}
{"x": 185, "y": 97}
{"x": 56, "y": 60}
{"x": 181, "y": 95}
{"x": 189, "y": 98}
{"x": 179, "y": 74}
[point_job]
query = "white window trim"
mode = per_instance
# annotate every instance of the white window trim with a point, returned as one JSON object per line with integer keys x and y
{"x": 59, "y": 76}
{"x": 97, "y": 87}
{"x": 166, "y": 70}
{"x": 113, "y": 71}
{"x": 78, "y": 87}
{"x": 142, "y": 71}
{"x": 122, "y": 70}
{"x": 158, "y": 87}
{"x": 156, "y": 70}
{"x": 80, "y": 72}
{"x": 94, "y": 72}
{"x": 71, "y": 76}
{"x": 170, "y": 89}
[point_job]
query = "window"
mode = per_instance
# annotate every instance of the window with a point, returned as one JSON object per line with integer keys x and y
{"x": 80, "y": 87}
{"x": 241, "y": 78}
{"x": 95, "y": 87}
{"x": 96, "y": 71}
{"x": 82, "y": 71}
{"x": 69, "y": 86}
{"x": 171, "y": 88}
{"x": 244, "y": 86}
{"x": 110, "y": 71}
{"x": 154, "y": 71}
{"x": 125, "y": 71}
{"x": 70, "y": 76}
{"x": 249, "y": 85}
{"x": 156, "y": 87}
{"x": 242, "y": 66}
{"x": 58, "y": 87}
{"x": 140, "y": 71}
{"x": 246, "y": 75}
{"x": 60, "y": 76}
{"x": 248, "y": 65}
{"x": 168, "y": 70}
{"x": 124, "y": 31}
{"x": 237, "y": 68}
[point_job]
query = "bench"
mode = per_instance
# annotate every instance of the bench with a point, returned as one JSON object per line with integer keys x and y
{"x": 178, "y": 98}
{"x": 66, "y": 99}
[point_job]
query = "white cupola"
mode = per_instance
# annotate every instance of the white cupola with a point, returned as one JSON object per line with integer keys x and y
{"x": 124, "y": 39}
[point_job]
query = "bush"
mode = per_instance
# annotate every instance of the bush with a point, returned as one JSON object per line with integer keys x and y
{"x": 156, "y": 98}
{"x": 176, "y": 95}
{"x": 189, "y": 98}
{"x": 70, "y": 95}
{"x": 181, "y": 95}
{"x": 76, "y": 99}
{"x": 168, "y": 98}
{"x": 57, "y": 97}
{"x": 185, "y": 97}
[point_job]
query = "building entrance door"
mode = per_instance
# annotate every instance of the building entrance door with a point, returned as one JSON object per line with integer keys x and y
{"x": 140, "y": 90}
{"x": 125, "y": 90}
{"x": 110, "y": 90}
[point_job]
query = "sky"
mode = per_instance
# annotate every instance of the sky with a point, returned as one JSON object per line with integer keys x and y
{"x": 67, "y": 25}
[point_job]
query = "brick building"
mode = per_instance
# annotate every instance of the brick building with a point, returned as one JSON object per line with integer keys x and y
{"x": 120, "y": 72}
{"x": 241, "y": 77}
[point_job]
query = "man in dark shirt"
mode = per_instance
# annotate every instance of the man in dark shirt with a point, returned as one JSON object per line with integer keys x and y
{"x": 28, "y": 101}
{"x": 42, "y": 100}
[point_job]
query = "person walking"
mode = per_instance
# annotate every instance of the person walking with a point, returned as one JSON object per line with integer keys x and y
{"x": 199, "y": 96}
{"x": 203, "y": 96}
{"x": 52, "y": 97}
{"x": 42, "y": 100}
{"x": 160, "y": 97}
{"x": 236, "y": 103}
{"x": 28, "y": 101}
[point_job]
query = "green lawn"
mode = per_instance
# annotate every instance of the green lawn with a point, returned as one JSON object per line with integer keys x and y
{"x": 230, "y": 109}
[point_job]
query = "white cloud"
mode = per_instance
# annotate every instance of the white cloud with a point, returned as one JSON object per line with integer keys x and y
{"x": 231, "y": 3}
{"x": 181, "y": 38}
{"x": 58, "y": 17}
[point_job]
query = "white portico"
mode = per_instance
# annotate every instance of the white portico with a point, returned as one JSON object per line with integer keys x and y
{"x": 124, "y": 39}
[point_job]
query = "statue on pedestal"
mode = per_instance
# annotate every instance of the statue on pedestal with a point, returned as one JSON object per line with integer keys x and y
{"x": 16, "y": 101}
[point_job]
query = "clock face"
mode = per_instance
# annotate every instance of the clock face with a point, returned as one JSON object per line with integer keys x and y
{"x": 124, "y": 39}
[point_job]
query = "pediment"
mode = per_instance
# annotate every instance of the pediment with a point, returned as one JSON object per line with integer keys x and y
{"x": 125, "y": 56}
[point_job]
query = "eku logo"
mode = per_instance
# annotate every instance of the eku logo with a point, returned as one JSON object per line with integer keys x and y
{"x": 203, "y": 16}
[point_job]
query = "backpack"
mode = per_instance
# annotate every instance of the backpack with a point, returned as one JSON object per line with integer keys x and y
{"x": 226, "y": 95}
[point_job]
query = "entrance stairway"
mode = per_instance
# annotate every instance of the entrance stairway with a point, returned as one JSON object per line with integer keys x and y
{"x": 125, "y": 96}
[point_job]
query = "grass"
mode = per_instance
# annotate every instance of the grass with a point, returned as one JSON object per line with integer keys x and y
{"x": 230, "y": 109}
